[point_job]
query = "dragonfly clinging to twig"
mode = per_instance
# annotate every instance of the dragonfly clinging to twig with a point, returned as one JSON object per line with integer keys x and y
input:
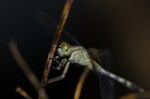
{"x": 79, "y": 55}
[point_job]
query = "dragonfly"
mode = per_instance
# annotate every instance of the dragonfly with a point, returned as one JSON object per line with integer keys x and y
{"x": 79, "y": 55}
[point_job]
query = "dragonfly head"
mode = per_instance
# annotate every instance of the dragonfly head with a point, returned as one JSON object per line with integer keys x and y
{"x": 64, "y": 49}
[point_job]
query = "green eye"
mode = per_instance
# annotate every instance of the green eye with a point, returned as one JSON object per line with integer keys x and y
{"x": 65, "y": 48}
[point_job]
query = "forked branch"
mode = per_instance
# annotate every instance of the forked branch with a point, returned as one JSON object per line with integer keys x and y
{"x": 25, "y": 68}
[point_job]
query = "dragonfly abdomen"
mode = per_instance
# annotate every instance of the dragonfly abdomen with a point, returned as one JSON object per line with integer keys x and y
{"x": 121, "y": 80}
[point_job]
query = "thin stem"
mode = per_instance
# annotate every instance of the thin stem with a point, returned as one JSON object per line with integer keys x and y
{"x": 80, "y": 83}
{"x": 57, "y": 36}
{"x": 23, "y": 93}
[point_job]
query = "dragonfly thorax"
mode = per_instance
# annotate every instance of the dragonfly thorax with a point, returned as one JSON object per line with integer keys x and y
{"x": 77, "y": 54}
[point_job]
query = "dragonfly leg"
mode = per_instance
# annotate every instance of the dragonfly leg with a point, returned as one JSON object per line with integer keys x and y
{"x": 61, "y": 64}
{"x": 62, "y": 76}
{"x": 55, "y": 60}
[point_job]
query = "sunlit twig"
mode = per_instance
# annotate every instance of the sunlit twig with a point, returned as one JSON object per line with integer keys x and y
{"x": 23, "y": 93}
{"x": 81, "y": 83}
{"x": 144, "y": 95}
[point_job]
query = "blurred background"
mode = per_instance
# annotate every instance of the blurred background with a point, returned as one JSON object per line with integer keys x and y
{"x": 123, "y": 27}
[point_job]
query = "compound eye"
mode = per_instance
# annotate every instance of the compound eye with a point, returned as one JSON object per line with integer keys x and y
{"x": 59, "y": 50}
{"x": 65, "y": 48}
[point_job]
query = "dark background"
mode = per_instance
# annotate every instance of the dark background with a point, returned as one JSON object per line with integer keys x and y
{"x": 120, "y": 26}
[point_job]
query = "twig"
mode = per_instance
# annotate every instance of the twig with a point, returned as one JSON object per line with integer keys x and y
{"x": 57, "y": 36}
{"x": 144, "y": 95}
{"x": 25, "y": 68}
{"x": 80, "y": 83}
{"x": 23, "y": 93}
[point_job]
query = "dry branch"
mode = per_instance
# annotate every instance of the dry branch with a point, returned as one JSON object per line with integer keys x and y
{"x": 25, "y": 68}
{"x": 57, "y": 36}
{"x": 55, "y": 41}
{"x": 54, "y": 44}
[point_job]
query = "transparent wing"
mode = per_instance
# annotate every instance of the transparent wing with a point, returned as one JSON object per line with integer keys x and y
{"x": 49, "y": 25}
{"x": 106, "y": 85}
